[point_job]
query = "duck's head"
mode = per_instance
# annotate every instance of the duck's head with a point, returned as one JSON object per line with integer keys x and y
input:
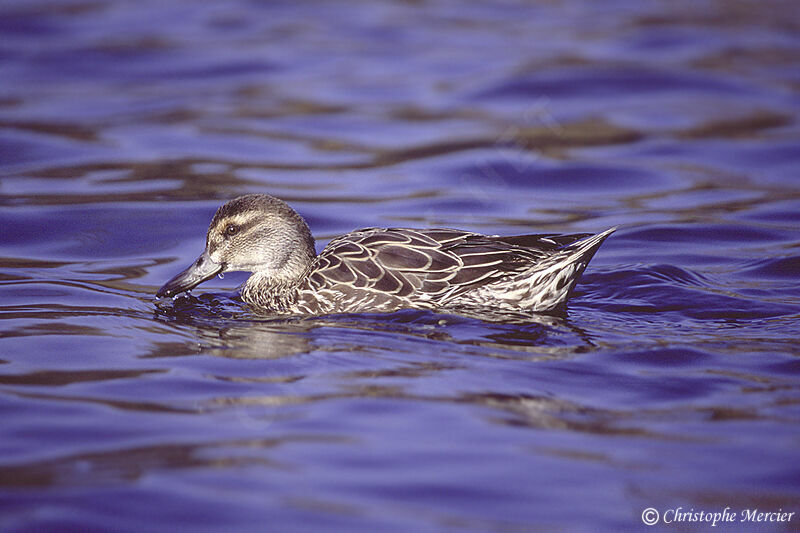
{"x": 253, "y": 233}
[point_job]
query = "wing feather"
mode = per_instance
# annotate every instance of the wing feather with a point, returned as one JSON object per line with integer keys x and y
{"x": 436, "y": 263}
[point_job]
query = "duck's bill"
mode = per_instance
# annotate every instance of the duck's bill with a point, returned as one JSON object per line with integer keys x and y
{"x": 201, "y": 270}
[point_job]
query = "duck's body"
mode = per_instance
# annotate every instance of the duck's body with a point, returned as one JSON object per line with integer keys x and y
{"x": 383, "y": 270}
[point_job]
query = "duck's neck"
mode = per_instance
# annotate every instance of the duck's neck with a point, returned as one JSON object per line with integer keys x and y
{"x": 266, "y": 292}
{"x": 276, "y": 290}
{"x": 275, "y": 287}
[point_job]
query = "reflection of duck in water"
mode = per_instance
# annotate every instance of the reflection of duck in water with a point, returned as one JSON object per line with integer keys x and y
{"x": 381, "y": 270}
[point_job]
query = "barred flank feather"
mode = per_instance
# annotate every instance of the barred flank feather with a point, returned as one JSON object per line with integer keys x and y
{"x": 446, "y": 270}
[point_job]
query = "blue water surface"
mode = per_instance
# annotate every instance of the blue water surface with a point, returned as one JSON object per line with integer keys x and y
{"x": 670, "y": 381}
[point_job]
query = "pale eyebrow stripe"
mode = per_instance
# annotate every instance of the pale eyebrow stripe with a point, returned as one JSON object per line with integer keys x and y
{"x": 244, "y": 223}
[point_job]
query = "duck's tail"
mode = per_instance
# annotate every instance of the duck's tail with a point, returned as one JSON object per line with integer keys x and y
{"x": 583, "y": 250}
{"x": 548, "y": 284}
{"x": 557, "y": 281}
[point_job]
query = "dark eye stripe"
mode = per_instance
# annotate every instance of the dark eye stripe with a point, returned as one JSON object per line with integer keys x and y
{"x": 238, "y": 228}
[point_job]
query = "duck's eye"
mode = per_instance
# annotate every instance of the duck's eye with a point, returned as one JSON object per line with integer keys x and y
{"x": 231, "y": 229}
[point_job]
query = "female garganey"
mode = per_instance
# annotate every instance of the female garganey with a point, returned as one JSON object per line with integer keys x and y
{"x": 385, "y": 269}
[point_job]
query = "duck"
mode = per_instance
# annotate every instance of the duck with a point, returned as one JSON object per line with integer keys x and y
{"x": 381, "y": 270}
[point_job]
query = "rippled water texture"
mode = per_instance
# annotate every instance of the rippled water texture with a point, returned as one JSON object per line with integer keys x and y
{"x": 671, "y": 381}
